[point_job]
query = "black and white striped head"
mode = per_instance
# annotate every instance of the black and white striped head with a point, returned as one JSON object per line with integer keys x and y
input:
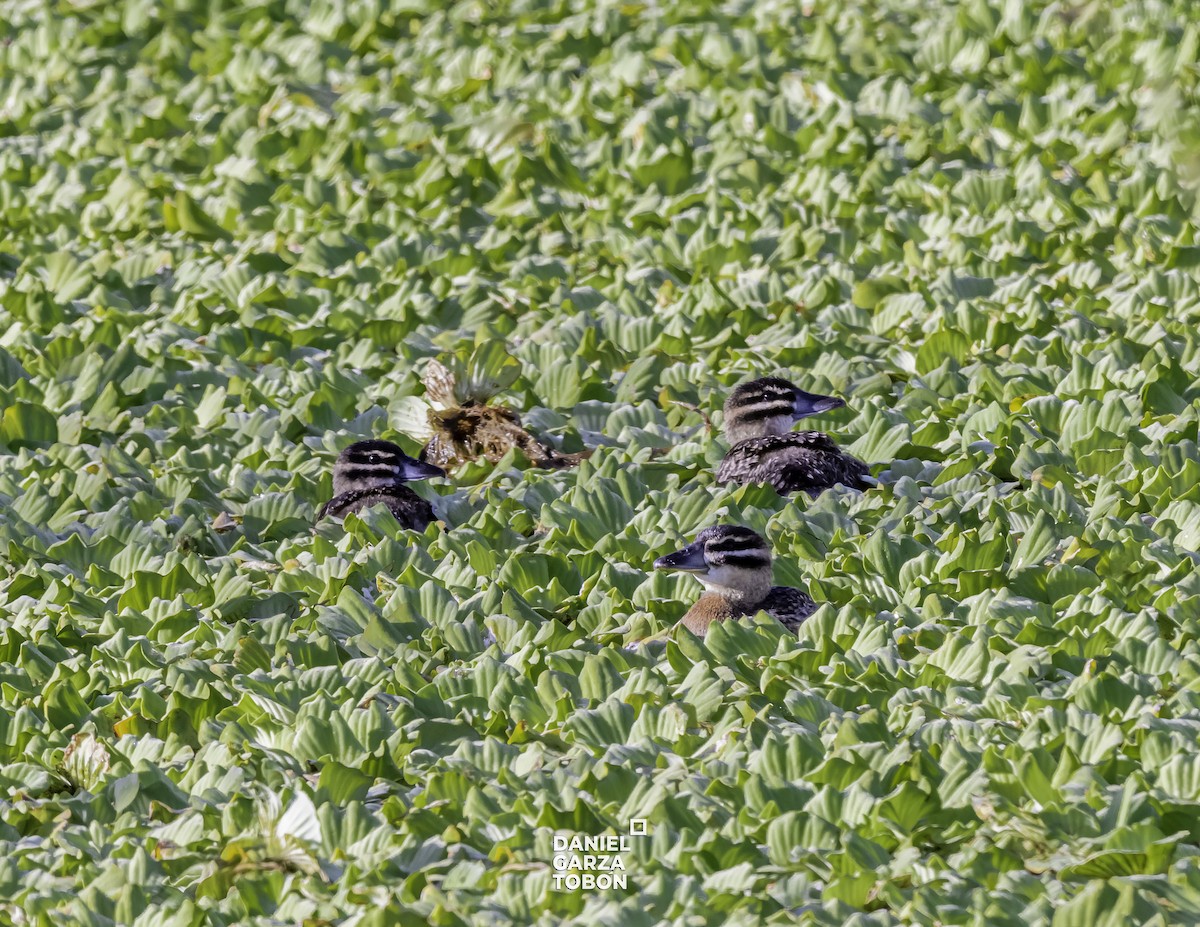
{"x": 377, "y": 465}
{"x": 728, "y": 559}
{"x": 770, "y": 406}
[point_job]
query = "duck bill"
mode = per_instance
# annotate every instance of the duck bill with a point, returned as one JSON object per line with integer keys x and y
{"x": 812, "y": 404}
{"x": 688, "y": 560}
{"x": 418, "y": 470}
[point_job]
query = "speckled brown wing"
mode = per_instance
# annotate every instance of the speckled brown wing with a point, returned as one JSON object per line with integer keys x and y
{"x": 813, "y": 440}
{"x": 788, "y": 606}
{"x": 803, "y": 460}
{"x": 817, "y": 471}
{"x": 408, "y": 508}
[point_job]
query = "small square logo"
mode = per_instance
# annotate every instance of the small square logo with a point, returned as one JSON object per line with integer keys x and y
{"x": 637, "y": 827}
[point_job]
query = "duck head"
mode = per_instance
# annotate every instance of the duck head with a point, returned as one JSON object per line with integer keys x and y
{"x": 771, "y": 406}
{"x": 729, "y": 560}
{"x": 377, "y": 465}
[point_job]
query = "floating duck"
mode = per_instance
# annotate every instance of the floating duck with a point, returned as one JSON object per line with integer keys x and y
{"x": 372, "y": 472}
{"x": 759, "y": 417}
{"x": 733, "y": 564}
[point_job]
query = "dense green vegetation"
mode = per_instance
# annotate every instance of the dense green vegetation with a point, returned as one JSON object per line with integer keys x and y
{"x": 232, "y": 236}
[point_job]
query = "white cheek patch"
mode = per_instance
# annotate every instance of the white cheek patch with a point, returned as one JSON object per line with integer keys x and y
{"x": 723, "y": 576}
{"x": 735, "y": 582}
{"x": 779, "y": 425}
